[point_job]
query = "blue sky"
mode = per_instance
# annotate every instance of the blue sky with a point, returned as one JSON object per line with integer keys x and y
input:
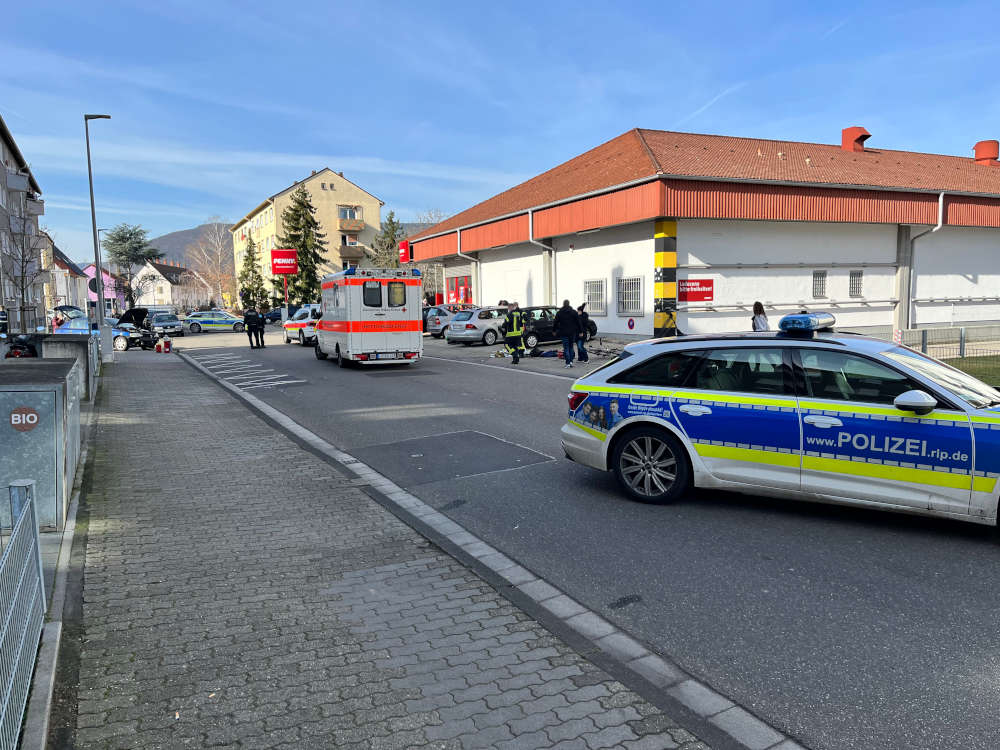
{"x": 217, "y": 104}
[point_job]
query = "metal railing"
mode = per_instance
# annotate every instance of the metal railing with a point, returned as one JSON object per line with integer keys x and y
{"x": 22, "y": 609}
{"x": 974, "y": 349}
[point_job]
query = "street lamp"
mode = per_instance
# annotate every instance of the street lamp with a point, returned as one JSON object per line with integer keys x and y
{"x": 105, "y": 335}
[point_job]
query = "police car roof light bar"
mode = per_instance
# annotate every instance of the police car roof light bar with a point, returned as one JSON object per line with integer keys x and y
{"x": 807, "y": 322}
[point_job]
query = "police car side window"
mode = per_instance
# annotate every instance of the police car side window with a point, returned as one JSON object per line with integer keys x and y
{"x": 749, "y": 370}
{"x": 846, "y": 377}
{"x": 666, "y": 370}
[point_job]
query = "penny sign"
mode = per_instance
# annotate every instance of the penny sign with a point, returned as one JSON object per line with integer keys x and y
{"x": 23, "y": 418}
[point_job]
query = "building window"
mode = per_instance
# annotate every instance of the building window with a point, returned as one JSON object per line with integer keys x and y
{"x": 349, "y": 212}
{"x": 594, "y": 296}
{"x": 630, "y": 296}
{"x": 322, "y": 186}
{"x": 819, "y": 284}
{"x": 349, "y": 239}
{"x": 856, "y": 286}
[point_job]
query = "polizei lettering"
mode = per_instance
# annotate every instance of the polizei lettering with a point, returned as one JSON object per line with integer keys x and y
{"x": 896, "y": 446}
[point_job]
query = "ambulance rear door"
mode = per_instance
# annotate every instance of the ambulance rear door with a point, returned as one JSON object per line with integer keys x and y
{"x": 402, "y": 314}
{"x": 369, "y": 329}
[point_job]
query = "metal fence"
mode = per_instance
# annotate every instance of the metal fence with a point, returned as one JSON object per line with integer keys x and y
{"x": 22, "y": 607}
{"x": 974, "y": 349}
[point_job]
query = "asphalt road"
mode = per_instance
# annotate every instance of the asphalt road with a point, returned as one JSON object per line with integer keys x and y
{"x": 845, "y": 628}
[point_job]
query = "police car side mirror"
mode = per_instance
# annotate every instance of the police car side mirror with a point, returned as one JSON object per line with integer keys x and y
{"x": 916, "y": 401}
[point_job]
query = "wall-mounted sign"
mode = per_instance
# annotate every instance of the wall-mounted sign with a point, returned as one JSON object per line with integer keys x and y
{"x": 695, "y": 290}
{"x": 405, "y": 256}
{"x": 23, "y": 418}
{"x": 631, "y": 323}
{"x": 284, "y": 262}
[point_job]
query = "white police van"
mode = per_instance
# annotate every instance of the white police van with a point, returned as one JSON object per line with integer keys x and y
{"x": 804, "y": 412}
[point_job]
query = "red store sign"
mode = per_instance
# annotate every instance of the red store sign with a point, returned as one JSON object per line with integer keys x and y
{"x": 284, "y": 262}
{"x": 696, "y": 290}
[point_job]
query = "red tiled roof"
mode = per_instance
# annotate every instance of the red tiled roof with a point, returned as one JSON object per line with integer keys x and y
{"x": 647, "y": 153}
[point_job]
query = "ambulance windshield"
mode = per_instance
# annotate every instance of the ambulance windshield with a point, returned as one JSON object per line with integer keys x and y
{"x": 963, "y": 385}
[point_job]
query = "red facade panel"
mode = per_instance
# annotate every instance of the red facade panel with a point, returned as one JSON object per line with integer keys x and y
{"x": 621, "y": 207}
{"x": 436, "y": 247}
{"x": 722, "y": 200}
{"x": 967, "y": 211}
{"x": 504, "y": 232}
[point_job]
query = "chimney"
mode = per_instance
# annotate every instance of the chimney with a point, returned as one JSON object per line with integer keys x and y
{"x": 853, "y": 138}
{"x": 986, "y": 153}
{"x": 340, "y": 173}
{"x": 313, "y": 172}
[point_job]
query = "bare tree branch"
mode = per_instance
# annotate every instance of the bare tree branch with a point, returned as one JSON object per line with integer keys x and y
{"x": 212, "y": 257}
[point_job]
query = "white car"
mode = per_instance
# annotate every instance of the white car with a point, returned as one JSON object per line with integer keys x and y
{"x": 296, "y": 328}
{"x": 804, "y": 413}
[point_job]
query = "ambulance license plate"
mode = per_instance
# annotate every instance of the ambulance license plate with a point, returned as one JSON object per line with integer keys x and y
{"x": 385, "y": 356}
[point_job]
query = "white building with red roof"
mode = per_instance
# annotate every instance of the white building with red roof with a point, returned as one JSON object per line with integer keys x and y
{"x": 660, "y": 231}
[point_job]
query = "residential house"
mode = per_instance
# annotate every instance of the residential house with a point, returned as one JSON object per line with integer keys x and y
{"x": 114, "y": 295}
{"x": 22, "y": 271}
{"x": 67, "y": 283}
{"x": 169, "y": 283}
{"x": 348, "y": 215}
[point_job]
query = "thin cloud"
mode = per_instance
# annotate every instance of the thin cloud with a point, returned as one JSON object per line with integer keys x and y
{"x": 722, "y": 94}
{"x": 835, "y": 28}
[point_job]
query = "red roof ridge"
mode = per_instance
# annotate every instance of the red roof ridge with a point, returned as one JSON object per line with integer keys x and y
{"x": 649, "y": 152}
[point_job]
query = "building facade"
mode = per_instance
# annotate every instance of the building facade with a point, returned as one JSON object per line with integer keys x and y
{"x": 23, "y": 248}
{"x": 166, "y": 283}
{"x": 662, "y": 232}
{"x": 114, "y": 296}
{"x": 67, "y": 283}
{"x": 348, "y": 215}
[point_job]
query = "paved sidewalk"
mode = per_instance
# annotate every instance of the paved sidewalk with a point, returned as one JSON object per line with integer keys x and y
{"x": 239, "y": 592}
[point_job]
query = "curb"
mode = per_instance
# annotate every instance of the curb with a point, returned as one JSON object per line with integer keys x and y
{"x": 707, "y": 713}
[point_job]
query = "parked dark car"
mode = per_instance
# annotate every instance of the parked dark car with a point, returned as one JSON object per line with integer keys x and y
{"x": 539, "y": 325}
{"x": 132, "y": 330}
{"x": 166, "y": 324}
{"x": 273, "y": 316}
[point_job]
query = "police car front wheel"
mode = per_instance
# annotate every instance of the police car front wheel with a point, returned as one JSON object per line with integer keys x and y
{"x": 650, "y": 465}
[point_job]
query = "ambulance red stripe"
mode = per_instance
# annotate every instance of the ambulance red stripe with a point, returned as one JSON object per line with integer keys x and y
{"x": 370, "y": 326}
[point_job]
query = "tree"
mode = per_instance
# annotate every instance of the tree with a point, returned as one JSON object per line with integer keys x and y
{"x": 252, "y": 291}
{"x": 212, "y": 257}
{"x": 302, "y": 232}
{"x": 128, "y": 248}
{"x": 22, "y": 265}
{"x": 430, "y": 217}
{"x": 384, "y": 252}
{"x": 433, "y": 273}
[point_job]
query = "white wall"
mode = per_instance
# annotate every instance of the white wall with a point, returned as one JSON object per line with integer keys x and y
{"x": 515, "y": 273}
{"x": 957, "y": 262}
{"x": 613, "y": 253}
{"x": 784, "y": 290}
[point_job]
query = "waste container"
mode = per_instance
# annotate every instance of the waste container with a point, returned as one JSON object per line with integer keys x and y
{"x": 40, "y": 431}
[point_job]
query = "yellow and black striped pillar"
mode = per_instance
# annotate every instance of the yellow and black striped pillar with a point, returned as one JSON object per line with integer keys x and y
{"x": 665, "y": 278}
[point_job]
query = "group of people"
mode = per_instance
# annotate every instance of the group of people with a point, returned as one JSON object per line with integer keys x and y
{"x": 569, "y": 325}
{"x": 253, "y": 323}
{"x": 598, "y": 417}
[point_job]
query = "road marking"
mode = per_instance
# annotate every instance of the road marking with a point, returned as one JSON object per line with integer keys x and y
{"x": 509, "y": 368}
{"x": 268, "y": 385}
{"x": 251, "y": 375}
{"x": 262, "y": 378}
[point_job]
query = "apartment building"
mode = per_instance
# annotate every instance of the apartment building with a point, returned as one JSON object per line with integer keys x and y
{"x": 23, "y": 249}
{"x": 348, "y": 215}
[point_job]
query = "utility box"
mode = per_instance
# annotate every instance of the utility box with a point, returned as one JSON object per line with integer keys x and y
{"x": 40, "y": 431}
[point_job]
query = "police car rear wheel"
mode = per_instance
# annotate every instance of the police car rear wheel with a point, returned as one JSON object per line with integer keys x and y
{"x": 650, "y": 465}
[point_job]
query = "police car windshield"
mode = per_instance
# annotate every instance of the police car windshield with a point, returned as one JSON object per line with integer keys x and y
{"x": 963, "y": 385}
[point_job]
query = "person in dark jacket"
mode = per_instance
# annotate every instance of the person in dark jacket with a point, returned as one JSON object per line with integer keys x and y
{"x": 253, "y": 322}
{"x": 513, "y": 326}
{"x": 567, "y": 327}
{"x": 581, "y": 341}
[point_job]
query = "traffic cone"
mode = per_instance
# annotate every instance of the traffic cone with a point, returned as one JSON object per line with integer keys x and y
{"x": 159, "y": 346}
{"x": 167, "y": 345}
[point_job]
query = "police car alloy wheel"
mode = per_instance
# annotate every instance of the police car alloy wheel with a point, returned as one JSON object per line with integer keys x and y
{"x": 531, "y": 341}
{"x": 650, "y": 465}
{"x": 238, "y": 327}
{"x": 120, "y": 343}
{"x": 195, "y": 328}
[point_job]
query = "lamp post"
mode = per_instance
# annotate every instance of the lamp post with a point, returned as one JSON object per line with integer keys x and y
{"x": 106, "y": 352}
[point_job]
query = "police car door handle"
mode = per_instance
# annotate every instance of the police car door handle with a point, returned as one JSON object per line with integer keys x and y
{"x": 818, "y": 420}
{"x": 695, "y": 410}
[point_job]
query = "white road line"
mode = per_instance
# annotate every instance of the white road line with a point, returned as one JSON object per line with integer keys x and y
{"x": 251, "y": 375}
{"x": 264, "y": 377}
{"x": 217, "y": 355}
{"x": 227, "y": 361}
{"x": 508, "y": 368}
{"x": 268, "y": 385}
{"x": 235, "y": 369}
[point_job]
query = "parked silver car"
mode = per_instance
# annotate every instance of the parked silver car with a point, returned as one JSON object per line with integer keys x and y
{"x": 474, "y": 326}
{"x": 440, "y": 316}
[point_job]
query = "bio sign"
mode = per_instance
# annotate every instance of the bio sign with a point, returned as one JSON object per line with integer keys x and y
{"x": 284, "y": 262}
{"x": 23, "y": 418}
{"x": 696, "y": 290}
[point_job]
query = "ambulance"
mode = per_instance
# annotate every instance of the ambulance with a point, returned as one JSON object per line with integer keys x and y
{"x": 371, "y": 316}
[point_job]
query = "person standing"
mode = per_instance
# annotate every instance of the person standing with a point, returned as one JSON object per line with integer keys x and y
{"x": 567, "y": 327}
{"x": 253, "y": 323}
{"x": 581, "y": 342}
{"x": 513, "y": 325}
{"x": 759, "y": 320}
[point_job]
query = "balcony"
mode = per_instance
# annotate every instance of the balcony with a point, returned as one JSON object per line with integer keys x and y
{"x": 350, "y": 225}
{"x": 17, "y": 183}
{"x": 36, "y": 207}
{"x": 352, "y": 252}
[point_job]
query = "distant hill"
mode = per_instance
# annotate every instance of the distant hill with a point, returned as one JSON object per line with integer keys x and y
{"x": 174, "y": 245}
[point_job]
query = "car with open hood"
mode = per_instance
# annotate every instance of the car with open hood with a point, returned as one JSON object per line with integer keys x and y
{"x": 132, "y": 330}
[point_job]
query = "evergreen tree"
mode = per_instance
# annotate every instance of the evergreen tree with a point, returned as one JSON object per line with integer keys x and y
{"x": 302, "y": 232}
{"x": 128, "y": 249}
{"x": 384, "y": 252}
{"x": 252, "y": 292}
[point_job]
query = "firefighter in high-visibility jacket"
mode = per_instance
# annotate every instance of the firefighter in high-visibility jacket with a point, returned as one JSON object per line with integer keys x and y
{"x": 513, "y": 325}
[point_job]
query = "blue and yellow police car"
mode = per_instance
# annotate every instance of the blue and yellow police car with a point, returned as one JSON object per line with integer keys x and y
{"x": 805, "y": 412}
{"x": 213, "y": 320}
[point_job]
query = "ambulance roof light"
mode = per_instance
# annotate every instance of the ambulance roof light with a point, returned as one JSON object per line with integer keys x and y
{"x": 416, "y": 272}
{"x": 807, "y": 322}
{"x": 350, "y": 270}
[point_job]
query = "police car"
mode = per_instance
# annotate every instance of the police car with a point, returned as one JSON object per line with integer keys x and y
{"x": 213, "y": 320}
{"x": 805, "y": 412}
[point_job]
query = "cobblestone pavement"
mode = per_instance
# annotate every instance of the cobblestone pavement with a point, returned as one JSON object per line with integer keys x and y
{"x": 238, "y": 592}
